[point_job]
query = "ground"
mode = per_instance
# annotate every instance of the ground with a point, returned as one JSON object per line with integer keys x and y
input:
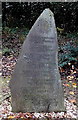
{"x": 69, "y": 79}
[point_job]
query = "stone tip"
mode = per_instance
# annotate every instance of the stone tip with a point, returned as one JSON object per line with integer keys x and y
{"x": 47, "y": 9}
{"x": 47, "y": 12}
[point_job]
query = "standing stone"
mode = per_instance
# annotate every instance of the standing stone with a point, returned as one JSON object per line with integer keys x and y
{"x": 36, "y": 84}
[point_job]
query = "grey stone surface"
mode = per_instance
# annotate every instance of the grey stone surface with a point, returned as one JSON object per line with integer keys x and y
{"x": 36, "y": 84}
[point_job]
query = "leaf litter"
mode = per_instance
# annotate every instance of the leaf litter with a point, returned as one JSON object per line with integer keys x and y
{"x": 69, "y": 81}
{"x": 70, "y": 92}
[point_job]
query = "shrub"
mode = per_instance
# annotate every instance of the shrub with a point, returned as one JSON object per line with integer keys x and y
{"x": 67, "y": 54}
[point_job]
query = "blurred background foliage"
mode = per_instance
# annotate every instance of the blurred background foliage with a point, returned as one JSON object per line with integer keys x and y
{"x": 18, "y": 18}
{"x": 24, "y": 14}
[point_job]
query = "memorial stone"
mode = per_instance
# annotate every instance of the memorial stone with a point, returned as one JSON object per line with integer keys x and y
{"x": 36, "y": 84}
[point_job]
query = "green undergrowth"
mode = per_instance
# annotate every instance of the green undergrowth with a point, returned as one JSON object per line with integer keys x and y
{"x": 68, "y": 53}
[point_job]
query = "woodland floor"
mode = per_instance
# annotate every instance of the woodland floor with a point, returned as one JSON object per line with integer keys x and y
{"x": 69, "y": 79}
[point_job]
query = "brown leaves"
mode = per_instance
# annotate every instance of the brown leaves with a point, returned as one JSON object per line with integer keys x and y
{"x": 74, "y": 85}
{"x": 66, "y": 85}
{"x": 72, "y": 100}
{"x": 35, "y": 116}
{"x": 8, "y": 65}
{"x": 10, "y": 117}
{"x": 69, "y": 85}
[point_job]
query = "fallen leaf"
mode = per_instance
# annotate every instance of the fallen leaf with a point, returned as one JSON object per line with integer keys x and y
{"x": 21, "y": 117}
{"x": 71, "y": 92}
{"x": 74, "y": 84}
{"x": 10, "y": 117}
{"x": 67, "y": 85}
{"x": 70, "y": 77}
{"x": 72, "y": 101}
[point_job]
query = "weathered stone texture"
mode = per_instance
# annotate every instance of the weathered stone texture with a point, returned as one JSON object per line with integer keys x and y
{"x": 36, "y": 84}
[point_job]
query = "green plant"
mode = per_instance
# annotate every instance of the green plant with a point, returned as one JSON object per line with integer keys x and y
{"x": 6, "y": 51}
{"x": 67, "y": 54}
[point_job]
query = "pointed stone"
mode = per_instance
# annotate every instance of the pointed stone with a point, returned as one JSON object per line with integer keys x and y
{"x": 36, "y": 84}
